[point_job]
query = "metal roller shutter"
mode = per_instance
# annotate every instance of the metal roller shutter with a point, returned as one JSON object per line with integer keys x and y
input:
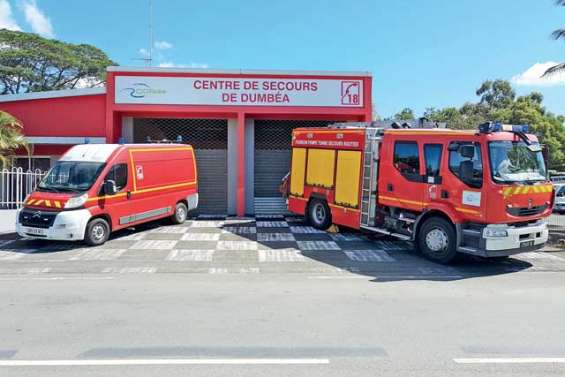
{"x": 272, "y": 161}
{"x": 209, "y": 139}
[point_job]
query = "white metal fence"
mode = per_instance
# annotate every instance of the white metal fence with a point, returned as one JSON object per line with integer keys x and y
{"x": 16, "y": 184}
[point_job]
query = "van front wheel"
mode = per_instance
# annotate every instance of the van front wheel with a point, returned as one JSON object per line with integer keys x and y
{"x": 181, "y": 212}
{"x": 97, "y": 232}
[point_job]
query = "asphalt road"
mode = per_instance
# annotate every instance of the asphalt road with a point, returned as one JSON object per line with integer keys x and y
{"x": 279, "y": 300}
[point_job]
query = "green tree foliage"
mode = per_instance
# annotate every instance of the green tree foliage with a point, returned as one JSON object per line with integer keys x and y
{"x": 498, "y": 102}
{"x": 11, "y": 137}
{"x": 405, "y": 114}
{"x": 30, "y": 63}
{"x": 557, "y": 34}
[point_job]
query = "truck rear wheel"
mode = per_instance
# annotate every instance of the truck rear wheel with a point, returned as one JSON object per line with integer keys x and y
{"x": 319, "y": 214}
{"x": 437, "y": 240}
{"x": 97, "y": 232}
{"x": 181, "y": 212}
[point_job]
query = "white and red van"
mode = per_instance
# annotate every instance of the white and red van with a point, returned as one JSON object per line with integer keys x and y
{"x": 95, "y": 189}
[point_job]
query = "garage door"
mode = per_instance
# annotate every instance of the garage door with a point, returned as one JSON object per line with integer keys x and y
{"x": 272, "y": 161}
{"x": 209, "y": 139}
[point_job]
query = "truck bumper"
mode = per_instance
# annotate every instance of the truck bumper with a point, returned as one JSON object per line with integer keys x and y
{"x": 517, "y": 239}
{"x": 68, "y": 226}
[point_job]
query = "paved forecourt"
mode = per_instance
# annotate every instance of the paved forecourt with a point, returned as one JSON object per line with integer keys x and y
{"x": 270, "y": 244}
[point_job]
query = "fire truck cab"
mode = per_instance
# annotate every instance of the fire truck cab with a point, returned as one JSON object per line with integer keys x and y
{"x": 483, "y": 192}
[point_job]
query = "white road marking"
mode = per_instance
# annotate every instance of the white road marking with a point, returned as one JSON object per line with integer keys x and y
{"x": 200, "y": 237}
{"x": 132, "y": 237}
{"x": 280, "y": 255}
{"x": 237, "y": 245}
{"x": 305, "y": 230}
{"x": 154, "y": 245}
{"x": 215, "y": 270}
{"x": 369, "y": 256}
{"x": 393, "y": 245}
{"x": 272, "y": 224}
{"x": 121, "y": 362}
{"x": 272, "y": 237}
{"x": 190, "y": 256}
{"x": 511, "y": 360}
{"x": 97, "y": 254}
{"x": 4, "y": 243}
{"x": 129, "y": 270}
{"x": 317, "y": 245}
{"x": 171, "y": 229}
{"x": 58, "y": 278}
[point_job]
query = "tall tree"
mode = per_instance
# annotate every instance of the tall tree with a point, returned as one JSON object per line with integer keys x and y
{"x": 31, "y": 63}
{"x": 557, "y": 34}
{"x": 11, "y": 137}
{"x": 405, "y": 114}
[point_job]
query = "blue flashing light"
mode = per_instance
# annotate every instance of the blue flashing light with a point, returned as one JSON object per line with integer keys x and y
{"x": 179, "y": 139}
{"x": 122, "y": 140}
{"x": 490, "y": 127}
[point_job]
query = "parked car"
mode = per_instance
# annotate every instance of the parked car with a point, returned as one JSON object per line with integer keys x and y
{"x": 559, "y": 206}
{"x": 95, "y": 189}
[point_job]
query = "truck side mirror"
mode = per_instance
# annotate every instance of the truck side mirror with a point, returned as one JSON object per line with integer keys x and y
{"x": 467, "y": 151}
{"x": 466, "y": 171}
{"x": 110, "y": 187}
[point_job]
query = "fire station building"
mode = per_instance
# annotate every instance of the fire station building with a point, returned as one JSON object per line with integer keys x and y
{"x": 239, "y": 122}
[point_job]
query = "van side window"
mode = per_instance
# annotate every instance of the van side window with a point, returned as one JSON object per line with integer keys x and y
{"x": 457, "y": 162}
{"x": 407, "y": 159}
{"x": 432, "y": 154}
{"x": 119, "y": 174}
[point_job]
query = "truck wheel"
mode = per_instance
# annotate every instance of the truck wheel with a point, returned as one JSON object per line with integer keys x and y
{"x": 319, "y": 214}
{"x": 181, "y": 212}
{"x": 436, "y": 240}
{"x": 97, "y": 232}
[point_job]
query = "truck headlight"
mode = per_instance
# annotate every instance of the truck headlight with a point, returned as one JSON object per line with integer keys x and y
{"x": 494, "y": 233}
{"x": 76, "y": 201}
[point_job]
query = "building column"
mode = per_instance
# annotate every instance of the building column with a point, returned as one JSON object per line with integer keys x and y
{"x": 240, "y": 191}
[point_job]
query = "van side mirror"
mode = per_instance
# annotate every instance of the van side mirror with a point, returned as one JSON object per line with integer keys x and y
{"x": 467, "y": 151}
{"x": 110, "y": 187}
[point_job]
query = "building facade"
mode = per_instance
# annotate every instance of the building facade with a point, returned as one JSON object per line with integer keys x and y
{"x": 239, "y": 122}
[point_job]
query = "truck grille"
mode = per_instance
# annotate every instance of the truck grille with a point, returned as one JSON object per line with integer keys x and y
{"x": 37, "y": 219}
{"x": 525, "y": 211}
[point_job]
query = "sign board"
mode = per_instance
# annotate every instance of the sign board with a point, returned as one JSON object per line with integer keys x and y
{"x": 238, "y": 91}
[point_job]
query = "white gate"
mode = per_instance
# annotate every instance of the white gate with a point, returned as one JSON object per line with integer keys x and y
{"x": 16, "y": 184}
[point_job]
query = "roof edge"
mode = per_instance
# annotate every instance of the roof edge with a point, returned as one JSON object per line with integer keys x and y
{"x": 236, "y": 71}
{"x": 52, "y": 94}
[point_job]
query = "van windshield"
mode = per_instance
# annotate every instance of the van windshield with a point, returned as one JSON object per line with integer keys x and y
{"x": 513, "y": 161}
{"x": 71, "y": 176}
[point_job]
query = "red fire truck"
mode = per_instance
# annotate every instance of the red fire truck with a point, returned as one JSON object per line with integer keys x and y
{"x": 483, "y": 192}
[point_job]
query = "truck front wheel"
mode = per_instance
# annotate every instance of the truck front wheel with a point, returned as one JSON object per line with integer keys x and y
{"x": 319, "y": 214}
{"x": 437, "y": 240}
{"x": 97, "y": 232}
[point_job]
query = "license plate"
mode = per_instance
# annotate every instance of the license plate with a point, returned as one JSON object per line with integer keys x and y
{"x": 35, "y": 231}
{"x": 527, "y": 244}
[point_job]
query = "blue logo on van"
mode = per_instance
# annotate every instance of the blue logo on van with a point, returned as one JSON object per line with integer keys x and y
{"x": 142, "y": 90}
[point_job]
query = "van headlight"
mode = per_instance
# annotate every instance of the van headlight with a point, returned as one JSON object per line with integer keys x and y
{"x": 494, "y": 233}
{"x": 76, "y": 201}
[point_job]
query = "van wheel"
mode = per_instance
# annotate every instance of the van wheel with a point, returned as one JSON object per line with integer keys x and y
{"x": 181, "y": 212}
{"x": 319, "y": 214}
{"x": 436, "y": 240}
{"x": 97, "y": 232}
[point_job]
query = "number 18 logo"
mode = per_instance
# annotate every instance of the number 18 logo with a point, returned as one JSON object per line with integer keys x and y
{"x": 351, "y": 93}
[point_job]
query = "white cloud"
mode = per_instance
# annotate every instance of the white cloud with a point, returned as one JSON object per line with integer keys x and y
{"x": 533, "y": 76}
{"x": 169, "y": 64}
{"x": 143, "y": 52}
{"x": 35, "y": 17}
{"x": 6, "y": 18}
{"x": 163, "y": 45}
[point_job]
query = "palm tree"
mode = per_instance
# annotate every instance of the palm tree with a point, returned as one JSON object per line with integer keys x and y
{"x": 11, "y": 137}
{"x": 557, "y": 34}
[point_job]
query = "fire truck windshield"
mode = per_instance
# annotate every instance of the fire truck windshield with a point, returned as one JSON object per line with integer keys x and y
{"x": 71, "y": 176}
{"x": 515, "y": 161}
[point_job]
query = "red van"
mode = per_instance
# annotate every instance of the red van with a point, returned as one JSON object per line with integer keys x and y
{"x": 95, "y": 189}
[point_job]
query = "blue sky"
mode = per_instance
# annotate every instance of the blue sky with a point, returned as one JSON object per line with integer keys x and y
{"x": 421, "y": 53}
